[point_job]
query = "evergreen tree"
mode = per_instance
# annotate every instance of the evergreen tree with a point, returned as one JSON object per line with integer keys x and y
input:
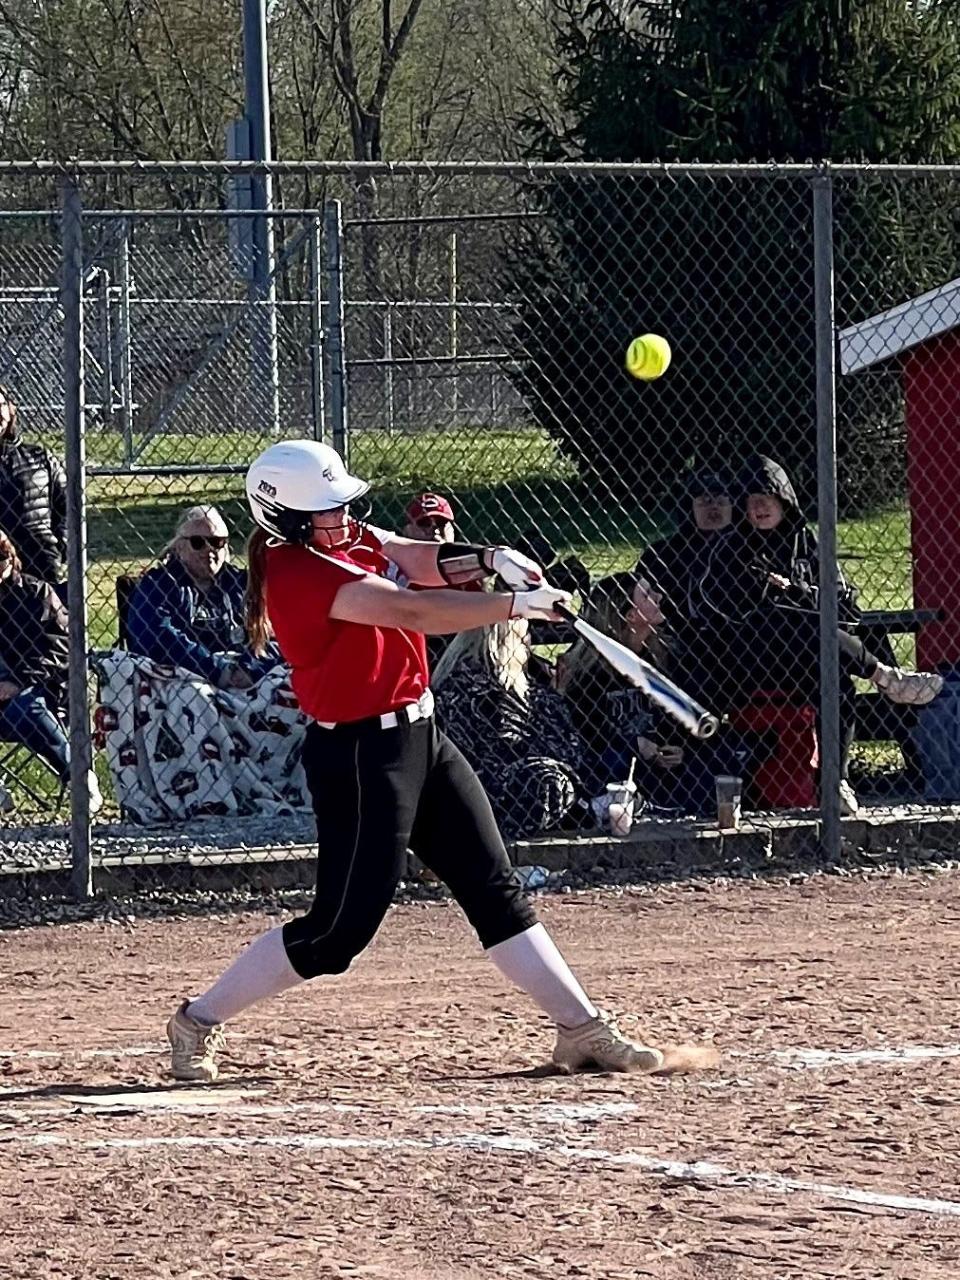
{"x": 723, "y": 266}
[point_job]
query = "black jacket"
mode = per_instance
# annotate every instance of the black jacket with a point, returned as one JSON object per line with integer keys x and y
{"x": 735, "y": 582}
{"x": 33, "y": 506}
{"x": 676, "y": 564}
{"x": 33, "y": 636}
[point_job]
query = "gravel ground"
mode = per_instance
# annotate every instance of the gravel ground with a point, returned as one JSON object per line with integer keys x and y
{"x": 30, "y": 849}
{"x": 400, "y": 1123}
{"x": 186, "y": 902}
{"x": 40, "y": 847}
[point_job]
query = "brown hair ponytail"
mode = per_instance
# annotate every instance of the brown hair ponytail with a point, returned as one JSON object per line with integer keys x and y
{"x": 259, "y": 631}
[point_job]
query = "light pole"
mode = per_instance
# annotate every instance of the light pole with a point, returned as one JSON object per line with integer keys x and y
{"x": 265, "y": 371}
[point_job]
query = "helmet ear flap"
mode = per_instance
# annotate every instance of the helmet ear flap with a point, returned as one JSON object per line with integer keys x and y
{"x": 295, "y": 526}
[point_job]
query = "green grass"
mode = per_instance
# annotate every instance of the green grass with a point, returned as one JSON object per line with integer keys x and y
{"x": 502, "y": 483}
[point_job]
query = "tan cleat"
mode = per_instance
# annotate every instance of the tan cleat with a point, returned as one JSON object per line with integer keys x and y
{"x": 601, "y": 1044}
{"x": 913, "y": 688}
{"x": 193, "y": 1046}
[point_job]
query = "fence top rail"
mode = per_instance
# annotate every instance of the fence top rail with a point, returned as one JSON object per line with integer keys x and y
{"x": 377, "y": 168}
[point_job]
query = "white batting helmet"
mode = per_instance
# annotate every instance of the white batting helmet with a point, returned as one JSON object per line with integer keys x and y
{"x": 291, "y": 480}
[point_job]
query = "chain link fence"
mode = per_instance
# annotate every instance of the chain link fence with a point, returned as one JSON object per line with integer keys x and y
{"x": 460, "y": 333}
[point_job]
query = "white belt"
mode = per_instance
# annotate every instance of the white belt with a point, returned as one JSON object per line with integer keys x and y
{"x": 422, "y": 709}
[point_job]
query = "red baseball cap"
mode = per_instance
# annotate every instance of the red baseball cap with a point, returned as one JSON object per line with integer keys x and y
{"x": 429, "y": 506}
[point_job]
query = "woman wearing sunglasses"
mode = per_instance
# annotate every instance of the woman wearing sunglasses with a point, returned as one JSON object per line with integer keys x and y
{"x": 188, "y": 612}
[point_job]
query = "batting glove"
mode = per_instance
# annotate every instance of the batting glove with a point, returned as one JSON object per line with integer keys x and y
{"x": 540, "y": 604}
{"x": 517, "y": 571}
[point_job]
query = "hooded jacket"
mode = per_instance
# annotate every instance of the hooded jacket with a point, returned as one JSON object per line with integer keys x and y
{"x": 677, "y": 563}
{"x": 33, "y": 506}
{"x": 735, "y": 582}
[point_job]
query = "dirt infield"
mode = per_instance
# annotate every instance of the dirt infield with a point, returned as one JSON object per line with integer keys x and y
{"x": 394, "y": 1123}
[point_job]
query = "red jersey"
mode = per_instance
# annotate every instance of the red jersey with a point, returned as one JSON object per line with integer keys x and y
{"x": 340, "y": 670}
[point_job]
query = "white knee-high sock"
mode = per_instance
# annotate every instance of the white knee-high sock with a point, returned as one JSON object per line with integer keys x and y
{"x": 531, "y": 961}
{"x": 260, "y": 971}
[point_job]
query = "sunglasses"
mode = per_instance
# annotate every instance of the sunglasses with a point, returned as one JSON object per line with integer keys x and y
{"x": 432, "y": 522}
{"x": 198, "y": 541}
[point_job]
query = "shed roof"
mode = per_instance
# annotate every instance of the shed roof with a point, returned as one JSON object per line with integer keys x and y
{"x": 892, "y": 332}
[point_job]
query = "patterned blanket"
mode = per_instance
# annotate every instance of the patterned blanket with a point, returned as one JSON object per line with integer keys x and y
{"x": 179, "y": 749}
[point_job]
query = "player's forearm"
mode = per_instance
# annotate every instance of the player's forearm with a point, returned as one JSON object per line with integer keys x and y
{"x": 445, "y": 611}
{"x": 417, "y": 561}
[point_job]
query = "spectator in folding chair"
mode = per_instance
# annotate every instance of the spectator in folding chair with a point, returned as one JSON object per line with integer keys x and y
{"x": 192, "y": 722}
{"x": 33, "y": 667}
{"x": 33, "y": 502}
{"x": 188, "y": 612}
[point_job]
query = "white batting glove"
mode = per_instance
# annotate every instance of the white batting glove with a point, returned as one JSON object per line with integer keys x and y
{"x": 540, "y": 604}
{"x": 517, "y": 571}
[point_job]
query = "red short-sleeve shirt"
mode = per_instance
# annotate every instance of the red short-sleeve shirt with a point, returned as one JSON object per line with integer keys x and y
{"x": 340, "y": 670}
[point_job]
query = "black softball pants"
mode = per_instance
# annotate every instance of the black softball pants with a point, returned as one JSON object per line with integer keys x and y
{"x": 377, "y": 792}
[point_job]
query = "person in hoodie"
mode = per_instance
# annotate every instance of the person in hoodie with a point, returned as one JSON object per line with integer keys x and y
{"x": 33, "y": 499}
{"x": 759, "y": 597}
{"x": 676, "y": 563}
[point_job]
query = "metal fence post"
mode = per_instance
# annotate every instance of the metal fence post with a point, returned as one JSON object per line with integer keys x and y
{"x": 315, "y": 254}
{"x": 125, "y": 349}
{"x": 454, "y": 335}
{"x": 388, "y": 370}
{"x": 825, "y": 355}
{"x": 334, "y": 344}
{"x": 264, "y": 349}
{"x": 81, "y": 877}
{"x": 106, "y": 345}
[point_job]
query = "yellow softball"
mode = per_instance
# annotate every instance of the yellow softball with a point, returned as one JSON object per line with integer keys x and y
{"x": 648, "y": 357}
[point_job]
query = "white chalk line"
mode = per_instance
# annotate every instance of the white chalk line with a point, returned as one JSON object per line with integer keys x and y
{"x": 214, "y": 1103}
{"x": 814, "y": 1059}
{"x": 799, "y": 1059}
{"x": 120, "y": 1051}
{"x": 700, "y": 1171}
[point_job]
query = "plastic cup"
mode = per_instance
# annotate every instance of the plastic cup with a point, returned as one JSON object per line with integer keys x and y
{"x": 620, "y": 797}
{"x": 729, "y": 793}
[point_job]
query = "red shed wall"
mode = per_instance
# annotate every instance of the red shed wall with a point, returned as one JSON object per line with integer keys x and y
{"x": 932, "y": 388}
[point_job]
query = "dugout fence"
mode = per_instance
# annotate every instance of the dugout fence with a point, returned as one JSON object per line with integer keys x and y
{"x": 460, "y": 329}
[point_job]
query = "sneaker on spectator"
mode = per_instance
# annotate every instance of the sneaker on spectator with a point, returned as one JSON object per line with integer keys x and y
{"x": 916, "y": 688}
{"x": 849, "y": 804}
{"x": 193, "y": 1046}
{"x": 96, "y": 795}
{"x": 601, "y": 1044}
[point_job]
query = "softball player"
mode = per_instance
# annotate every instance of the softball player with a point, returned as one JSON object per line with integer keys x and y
{"x": 381, "y": 775}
